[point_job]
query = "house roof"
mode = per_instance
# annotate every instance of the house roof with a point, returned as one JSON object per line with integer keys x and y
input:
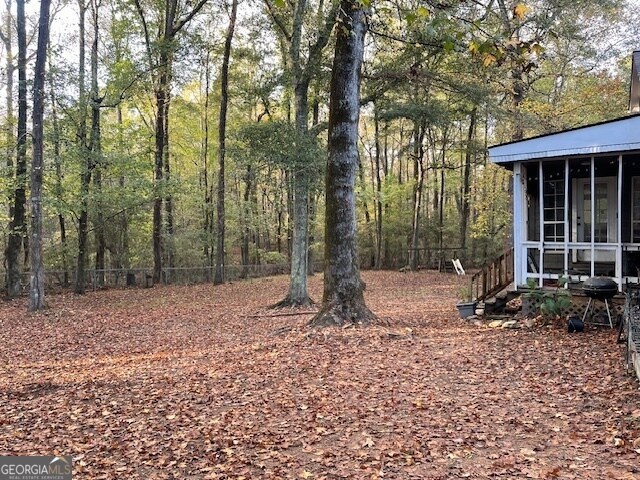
{"x": 612, "y": 136}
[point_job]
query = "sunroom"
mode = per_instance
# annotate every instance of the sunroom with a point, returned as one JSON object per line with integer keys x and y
{"x": 576, "y": 203}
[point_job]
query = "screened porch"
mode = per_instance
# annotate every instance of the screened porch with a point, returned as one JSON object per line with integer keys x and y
{"x": 577, "y": 217}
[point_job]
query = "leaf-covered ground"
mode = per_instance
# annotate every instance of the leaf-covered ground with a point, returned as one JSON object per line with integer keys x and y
{"x": 200, "y": 382}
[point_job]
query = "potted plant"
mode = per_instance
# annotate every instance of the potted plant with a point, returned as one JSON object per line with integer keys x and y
{"x": 466, "y": 306}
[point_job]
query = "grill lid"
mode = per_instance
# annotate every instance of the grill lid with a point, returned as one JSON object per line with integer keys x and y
{"x": 600, "y": 283}
{"x": 600, "y": 287}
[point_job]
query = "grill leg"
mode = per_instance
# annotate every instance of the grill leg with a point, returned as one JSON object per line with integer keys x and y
{"x": 606, "y": 303}
{"x": 584, "y": 315}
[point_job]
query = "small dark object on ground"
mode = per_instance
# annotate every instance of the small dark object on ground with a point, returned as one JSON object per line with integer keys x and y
{"x": 575, "y": 325}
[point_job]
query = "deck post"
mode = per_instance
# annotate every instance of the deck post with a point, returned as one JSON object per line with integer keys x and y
{"x": 592, "y": 196}
{"x": 541, "y": 226}
{"x": 619, "y": 228}
{"x": 566, "y": 220}
{"x": 518, "y": 224}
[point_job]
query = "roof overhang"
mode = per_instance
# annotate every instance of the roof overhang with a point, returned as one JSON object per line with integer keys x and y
{"x": 613, "y": 136}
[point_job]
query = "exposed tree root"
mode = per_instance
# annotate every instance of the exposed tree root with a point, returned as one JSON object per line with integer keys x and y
{"x": 284, "y": 314}
{"x": 288, "y": 302}
{"x": 343, "y": 314}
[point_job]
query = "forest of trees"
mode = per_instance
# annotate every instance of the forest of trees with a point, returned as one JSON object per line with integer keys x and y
{"x": 183, "y": 136}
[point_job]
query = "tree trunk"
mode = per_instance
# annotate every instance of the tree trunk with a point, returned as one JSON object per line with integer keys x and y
{"x": 36, "y": 294}
{"x": 298, "y": 294}
{"x": 365, "y": 207}
{"x": 246, "y": 218}
{"x": 123, "y": 248}
{"x": 159, "y": 57}
{"x": 343, "y": 299}
{"x": 466, "y": 181}
{"x": 17, "y": 225}
{"x": 169, "y": 244}
{"x": 441, "y": 258}
{"x": 222, "y": 132}
{"x": 208, "y": 198}
{"x": 58, "y": 190}
{"x": 162, "y": 112}
{"x": 419, "y": 171}
{"x": 378, "y": 254}
{"x": 85, "y": 178}
{"x": 96, "y": 150}
{"x": 10, "y": 140}
{"x": 301, "y": 74}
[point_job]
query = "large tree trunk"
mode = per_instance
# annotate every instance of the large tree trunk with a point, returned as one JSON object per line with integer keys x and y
{"x": 301, "y": 75}
{"x": 17, "y": 225}
{"x": 96, "y": 150}
{"x": 222, "y": 132}
{"x": 343, "y": 299}
{"x": 162, "y": 112}
{"x": 298, "y": 294}
{"x": 85, "y": 178}
{"x": 36, "y": 294}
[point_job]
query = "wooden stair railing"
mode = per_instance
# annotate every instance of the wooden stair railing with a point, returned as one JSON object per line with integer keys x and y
{"x": 493, "y": 277}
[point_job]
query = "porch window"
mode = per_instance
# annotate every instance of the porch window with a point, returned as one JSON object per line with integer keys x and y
{"x": 553, "y": 205}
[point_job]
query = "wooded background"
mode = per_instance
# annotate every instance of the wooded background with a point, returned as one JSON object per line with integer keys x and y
{"x": 180, "y": 136}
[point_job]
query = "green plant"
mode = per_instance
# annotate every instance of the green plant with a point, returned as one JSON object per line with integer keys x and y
{"x": 465, "y": 293}
{"x": 272, "y": 257}
{"x": 550, "y": 303}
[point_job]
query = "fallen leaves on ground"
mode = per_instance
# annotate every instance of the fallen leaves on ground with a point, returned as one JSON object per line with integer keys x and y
{"x": 204, "y": 382}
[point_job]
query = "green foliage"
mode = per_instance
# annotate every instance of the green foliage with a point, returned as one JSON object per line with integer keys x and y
{"x": 551, "y": 303}
{"x": 465, "y": 292}
{"x": 272, "y": 258}
{"x": 278, "y": 143}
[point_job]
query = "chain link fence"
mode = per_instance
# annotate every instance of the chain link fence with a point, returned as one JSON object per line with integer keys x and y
{"x": 59, "y": 280}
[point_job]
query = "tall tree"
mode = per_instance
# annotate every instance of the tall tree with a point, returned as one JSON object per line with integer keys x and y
{"x": 343, "y": 299}
{"x": 222, "y": 133}
{"x": 95, "y": 145}
{"x": 171, "y": 18}
{"x": 88, "y": 163}
{"x": 6, "y": 36}
{"x": 18, "y": 225}
{"x": 36, "y": 293}
{"x": 301, "y": 71}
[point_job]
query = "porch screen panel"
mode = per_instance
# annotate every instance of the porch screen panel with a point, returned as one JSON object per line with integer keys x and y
{"x": 635, "y": 209}
{"x": 553, "y": 203}
{"x": 533, "y": 202}
{"x": 601, "y": 214}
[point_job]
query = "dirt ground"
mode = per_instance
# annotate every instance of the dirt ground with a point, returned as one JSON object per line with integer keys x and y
{"x": 203, "y": 382}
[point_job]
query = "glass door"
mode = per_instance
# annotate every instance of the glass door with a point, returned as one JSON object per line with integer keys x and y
{"x": 604, "y": 205}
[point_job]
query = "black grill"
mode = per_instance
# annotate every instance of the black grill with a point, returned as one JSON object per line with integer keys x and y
{"x": 600, "y": 288}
